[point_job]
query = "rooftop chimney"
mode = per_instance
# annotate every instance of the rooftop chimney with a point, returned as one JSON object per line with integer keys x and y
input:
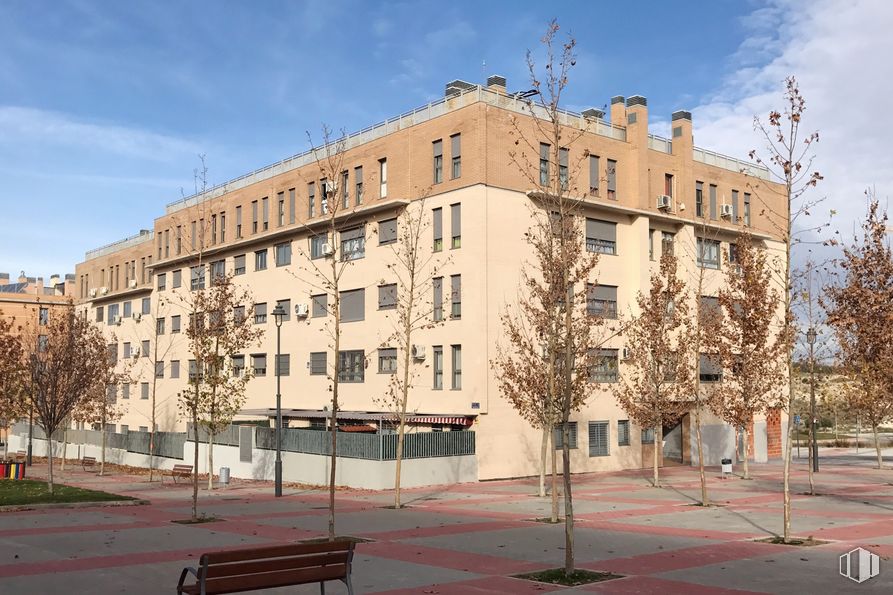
{"x": 456, "y": 87}
{"x": 496, "y": 82}
{"x": 4, "y": 278}
{"x": 592, "y": 112}
{"x": 618, "y": 110}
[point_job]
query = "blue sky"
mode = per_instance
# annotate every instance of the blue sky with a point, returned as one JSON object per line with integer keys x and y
{"x": 104, "y": 106}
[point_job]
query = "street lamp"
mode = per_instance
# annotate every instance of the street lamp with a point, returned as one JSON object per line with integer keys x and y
{"x": 810, "y": 338}
{"x": 279, "y": 314}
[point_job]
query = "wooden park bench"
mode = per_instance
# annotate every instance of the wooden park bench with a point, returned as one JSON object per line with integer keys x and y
{"x": 253, "y": 569}
{"x": 184, "y": 471}
{"x": 88, "y": 462}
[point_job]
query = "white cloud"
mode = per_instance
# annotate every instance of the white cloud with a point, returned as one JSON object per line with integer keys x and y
{"x": 840, "y": 53}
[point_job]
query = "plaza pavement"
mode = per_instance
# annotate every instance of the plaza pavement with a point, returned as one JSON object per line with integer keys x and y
{"x": 471, "y": 538}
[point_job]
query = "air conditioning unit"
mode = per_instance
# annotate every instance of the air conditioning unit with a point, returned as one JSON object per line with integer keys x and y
{"x": 327, "y": 250}
{"x": 302, "y": 310}
{"x": 137, "y": 316}
{"x": 93, "y": 292}
{"x": 726, "y": 210}
{"x": 132, "y": 284}
{"x": 418, "y": 352}
{"x": 135, "y": 351}
{"x": 328, "y": 186}
{"x": 103, "y": 290}
{"x": 118, "y": 319}
{"x": 664, "y": 201}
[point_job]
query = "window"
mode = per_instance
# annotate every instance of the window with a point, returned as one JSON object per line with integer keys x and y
{"x": 265, "y": 207}
{"x": 437, "y": 226}
{"x": 733, "y": 253}
{"x": 667, "y": 240}
{"x": 438, "y": 367}
{"x": 457, "y": 367}
{"x": 708, "y": 253}
{"x": 456, "y": 225}
{"x": 259, "y": 364}
{"x": 218, "y": 271}
{"x": 612, "y": 179}
{"x": 319, "y": 305}
{"x": 43, "y": 342}
{"x": 387, "y": 231}
{"x": 345, "y": 190}
{"x": 260, "y": 260}
{"x": 146, "y": 305}
{"x": 383, "y": 178}
{"x": 316, "y": 246}
{"x": 159, "y": 326}
{"x": 177, "y": 278}
{"x": 699, "y": 199}
{"x": 351, "y": 366}
{"x": 260, "y": 313}
{"x": 239, "y": 314}
{"x": 175, "y": 324}
{"x": 650, "y": 244}
{"x": 178, "y": 240}
{"x": 438, "y": 161}
{"x": 601, "y": 236}
{"x": 125, "y": 391}
{"x": 112, "y": 312}
{"x": 144, "y": 348}
{"x": 222, "y": 227}
{"x": 438, "y": 298}
{"x": 197, "y": 277}
{"x": 387, "y": 360}
{"x": 353, "y": 305}
{"x": 318, "y": 363}
{"x": 562, "y": 168}
{"x": 623, "y": 432}
{"x": 558, "y": 433}
{"x": 387, "y": 296}
{"x": 544, "y": 164}
{"x": 709, "y": 309}
{"x": 128, "y": 309}
{"x": 747, "y": 209}
{"x": 238, "y": 222}
{"x": 668, "y": 185}
{"x": 238, "y": 366}
{"x": 713, "y": 201}
{"x": 455, "y": 156}
{"x": 598, "y": 439}
{"x": 213, "y": 231}
{"x": 253, "y": 216}
{"x": 311, "y": 199}
{"x": 325, "y": 191}
{"x": 280, "y": 211}
{"x": 710, "y": 368}
{"x": 647, "y": 435}
{"x": 593, "y": 174}
{"x": 126, "y": 347}
{"x": 286, "y": 305}
{"x": 283, "y": 364}
{"x": 159, "y": 369}
{"x": 456, "y": 296}
{"x": 175, "y": 368}
{"x": 239, "y": 265}
{"x": 144, "y": 391}
{"x": 162, "y": 281}
{"x": 734, "y": 206}
{"x": 283, "y": 254}
{"x": 99, "y": 313}
{"x": 605, "y": 366}
{"x": 601, "y": 300}
{"x": 353, "y": 244}
{"x": 358, "y": 184}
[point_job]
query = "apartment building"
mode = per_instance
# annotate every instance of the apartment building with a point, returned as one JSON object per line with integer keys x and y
{"x": 30, "y": 302}
{"x": 641, "y": 194}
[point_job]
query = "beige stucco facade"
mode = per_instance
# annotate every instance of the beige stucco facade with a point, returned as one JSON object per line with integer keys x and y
{"x": 495, "y": 213}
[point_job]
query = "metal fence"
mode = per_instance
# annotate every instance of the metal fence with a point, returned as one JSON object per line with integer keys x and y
{"x": 167, "y": 444}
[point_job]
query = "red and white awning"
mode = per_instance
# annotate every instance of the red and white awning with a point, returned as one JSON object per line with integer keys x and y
{"x": 439, "y": 419}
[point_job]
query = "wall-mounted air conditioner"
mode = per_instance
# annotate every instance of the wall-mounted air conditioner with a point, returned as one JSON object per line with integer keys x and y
{"x": 137, "y": 316}
{"x": 118, "y": 319}
{"x": 103, "y": 290}
{"x": 418, "y": 352}
{"x": 726, "y": 210}
{"x": 302, "y": 310}
{"x": 132, "y": 284}
{"x": 328, "y": 250}
{"x": 93, "y": 293}
{"x": 664, "y": 201}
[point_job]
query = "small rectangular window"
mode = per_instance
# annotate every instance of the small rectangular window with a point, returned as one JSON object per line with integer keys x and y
{"x": 260, "y": 260}
{"x": 457, "y": 367}
{"x": 667, "y": 240}
{"x": 647, "y": 436}
{"x": 285, "y": 305}
{"x": 456, "y": 296}
{"x": 259, "y": 364}
{"x": 345, "y": 190}
{"x": 387, "y": 360}
{"x": 260, "y": 313}
{"x": 128, "y": 309}
{"x": 218, "y": 271}
{"x": 383, "y": 178}
{"x": 438, "y": 367}
{"x": 197, "y": 277}
{"x": 265, "y": 205}
{"x": 601, "y": 236}
{"x": 708, "y": 253}
{"x": 593, "y": 174}
{"x": 125, "y": 391}
{"x": 311, "y": 200}
{"x": 353, "y": 305}
{"x": 159, "y": 369}
{"x": 238, "y": 222}
{"x": 253, "y": 216}
{"x": 351, "y": 366}
{"x": 387, "y": 231}
{"x": 358, "y": 184}
{"x": 559, "y": 435}
{"x": 438, "y": 161}
{"x": 317, "y": 245}
{"x": 623, "y": 432}
{"x": 159, "y": 326}
{"x": 99, "y": 313}
{"x": 456, "y": 225}
{"x": 668, "y": 185}
{"x": 239, "y": 265}
{"x": 291, "y": 206}
{"x": 455, "y": 156}
{"x": 175, "y": 368}
{"x": 544, "y": 164}
{"x": 280, "y": 210}
{"x": 177, "y": 278}
{"x": 283, "y": 364}
{"x": 161, "y": 278}
{"x": 611, "y": 172}
{"x": 353, "y": 244}
{"x": 605, "y": 367}
{"x": 735, "y": 207}
{"x": 319, "y": 305}
{"x": 144, "y": 391}
{"x": 438, "y": 298}
{"x": 437, "y": 226}
{"x": 713, "y": 212}
{"x": 145, "y": 349}
{"x": 318, "y": 363}
{"x": 601, "y": 300}
{"x": 710, "y": 368}
{"x": 238, "y": 366}
{"x": 747, "y": 209}
{"x": 175, "y": 324}
{"x": 563, "y": 156}
{"x": 598, "y": 439}
{"x": 387, "y": 296}
{"x": 283, "y": 254}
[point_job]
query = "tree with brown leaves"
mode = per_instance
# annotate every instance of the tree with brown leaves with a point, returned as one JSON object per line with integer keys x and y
{"x": 860, "y": 310}
{"x": 746, "y": 344}
{"x": 12, "y": 376}
{"x": 655, "y": 386}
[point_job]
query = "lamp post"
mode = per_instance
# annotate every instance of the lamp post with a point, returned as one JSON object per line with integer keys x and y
{"x": 279, "y": 314}
{"x": 810, "y": 338}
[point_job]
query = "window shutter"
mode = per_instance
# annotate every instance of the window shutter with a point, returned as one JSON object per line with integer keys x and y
{"x": 387, "y": 296}
{"x": 598, "y": 439}
{"x": 387, "y": 231}
{"x": 456, "y": 219}
{"x": 438, "y": 223}
{"x": 456, "y": 145}
{"x": 353, "y": 305}
{"x": 320, "y": 305}
{"x": 593, "y": 172}
{"x": 353, "y": 234}
{"x": 602, "y": 230}
{"x": 291, "y": 206}
{"x": 438, "y": 148}
{"x": 438, "y": 293}
{"x": 602, "y": 292}
{"x": 734, "y": 206}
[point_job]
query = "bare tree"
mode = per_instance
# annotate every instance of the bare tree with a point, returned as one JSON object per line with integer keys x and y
{"x": 656, "y": 384}
{"x": 789, "y": 159}
{"x": 12, "y": 376}
{"x": 749, "y": 350}
{"x": 860, "y": 310}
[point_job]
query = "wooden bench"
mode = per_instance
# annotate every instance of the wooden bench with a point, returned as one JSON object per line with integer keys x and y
{"x": 184, "y": 471}
{"x": 88, "y": 462}
{"x": 252, "y": 569}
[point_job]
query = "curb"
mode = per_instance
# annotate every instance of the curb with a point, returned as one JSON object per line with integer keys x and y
{"x": 64, "y": 505}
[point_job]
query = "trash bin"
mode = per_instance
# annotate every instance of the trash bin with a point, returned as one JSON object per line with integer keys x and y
{"x": 727, "y": 465}
{"x": 224, "y": 475}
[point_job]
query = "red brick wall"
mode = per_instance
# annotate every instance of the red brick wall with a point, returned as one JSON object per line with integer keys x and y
{"x": 773, "y": 432}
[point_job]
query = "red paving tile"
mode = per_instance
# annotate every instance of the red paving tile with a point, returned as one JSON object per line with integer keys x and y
{"x": 492, "y": 585}
{"x": 444, "y": 558}
{"x": 451, "y": 529}
{"x": 684, "y": 558}
{"x": 650, "y": 584}
{"x": 672, "y": 531}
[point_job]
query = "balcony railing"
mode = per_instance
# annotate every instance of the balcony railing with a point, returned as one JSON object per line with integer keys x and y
{"x": 659, "y": 143}
{"x": 143, "y": 236}
{"x": 730, "y": 163}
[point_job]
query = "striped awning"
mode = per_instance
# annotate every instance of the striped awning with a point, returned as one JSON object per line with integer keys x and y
{"x": 440, "y": 419}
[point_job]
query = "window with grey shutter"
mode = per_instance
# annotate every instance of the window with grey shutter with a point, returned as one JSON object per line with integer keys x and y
{"x": 438, "y": 298}
{"x": 358, "y": 184}
{"x": 197, "y": 277}
{"x": 353, "y": 305}
{"x": 456, "y": 225}
{"x": 601, "y": 300}
{"x": 437, "y": 358}
{"x": 563, "y": 155}
{"x": 175, "y": 368}
{"x": 438, "y": 161}
{"x": 623, "y": 432}
{"x": 239, "y": 264}
{"x": 99, "y": 313}
{"x": 734, "y": 206}
{"x": 544, "y": 164}
{"x": 387, "y": 296}
{"x": 605, "y": 367}
{"x": 353, "y": 243}
{"x": 601, "y": 236}
{"x": 747, "y": 208}
{"x": 159, "y": 369}
{"x": 127, "y": 312}
{"x": 291, "y": 205}
{"x": 456, "y": 296}
{"x": 611, "y": 174}
{"x": 260, "y": 313}
{"x": 559, "y": 435}
{"x": 238, "y": 365}
{"x": 259, "y": 364}
{"x": 699, "y": 199}
{"x": 456, "y": 351}
{"x": 598, "y": 439}
{"x": 318, "y": 363}
{"x": 455, "y": 156}
{"x": 283, "y": 364}
{"x": 266, "y": 209}
{"x": 593, "y": 174}
{"x": 437, "y": 226}
{"x": 125, "y": 391}
{"x": 283, "y": 254}
{"x": 311, "y": 199}
{"x": 709, "y": 309}
{"x": 253, "y": 216}
{"x": 387, "y": 231}
{"x": 162, "y": 281}
{"x": 710, "y": 368}
{"x": 144, "y": 349}
{"x": 177, "y": 278}
{"x": 175, "y": 323}
{"x": 144, "y": 391}
{"x": 319, "y": 305}
{"x": 286, "y": 306}
{"x": 713, "y": 201}
{"x": 387, "y": 360}
{"x": 280, "y": 209}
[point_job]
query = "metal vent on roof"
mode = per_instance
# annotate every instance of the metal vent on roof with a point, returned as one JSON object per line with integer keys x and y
{"x": 497, "y": 80}
{"x": 593, "y": 113}
{"x": 456, "y": 87}
{"x": 636, "y": 100}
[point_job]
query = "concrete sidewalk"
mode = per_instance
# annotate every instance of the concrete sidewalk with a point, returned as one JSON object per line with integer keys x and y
{"x": 471, "y": 538}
